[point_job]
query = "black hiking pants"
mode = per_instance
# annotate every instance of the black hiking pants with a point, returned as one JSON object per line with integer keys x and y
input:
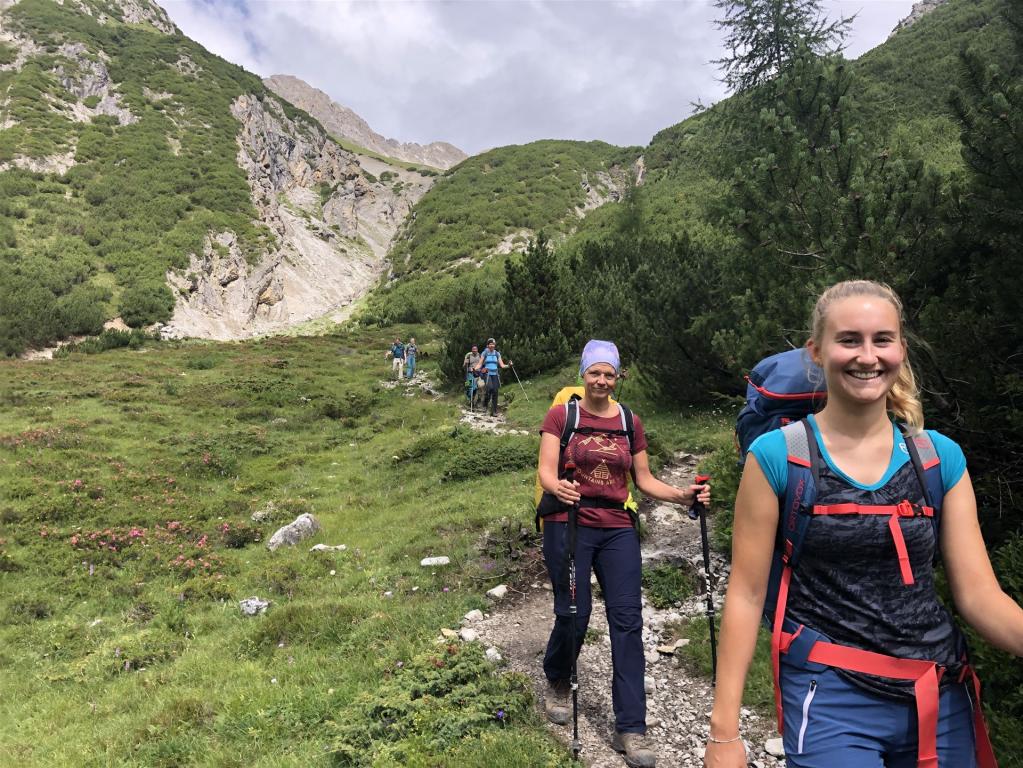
{"x": 490, "y": 393}
{"x": 613, "y": 554}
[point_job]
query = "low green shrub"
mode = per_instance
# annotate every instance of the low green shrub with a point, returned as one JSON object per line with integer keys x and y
{"x": 487, "y": 456}
{"x": 146, "y": 303}
{"x": 438, "y": 698}
{"x": 668, "y": 584}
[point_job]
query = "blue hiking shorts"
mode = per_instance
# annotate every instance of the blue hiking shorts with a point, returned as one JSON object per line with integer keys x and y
{"x": 832, "y": 723}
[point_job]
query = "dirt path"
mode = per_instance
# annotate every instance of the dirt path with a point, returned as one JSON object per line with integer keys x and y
{"x": 678, "y": 703}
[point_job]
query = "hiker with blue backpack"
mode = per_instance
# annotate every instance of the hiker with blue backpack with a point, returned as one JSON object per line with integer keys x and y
{"x": 589, "y": 448}
{"x": 490, "y": 366}
{"x": 839, "y": 520}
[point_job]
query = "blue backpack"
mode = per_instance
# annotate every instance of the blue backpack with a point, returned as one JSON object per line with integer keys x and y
{"x": 780, "y": 389}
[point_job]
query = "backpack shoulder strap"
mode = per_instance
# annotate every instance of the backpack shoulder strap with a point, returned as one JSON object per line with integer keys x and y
{"x": 927, "y": 465}
{"x": 628, "y": 423}
{"x": 803, "y": 462}
{"x": 571, "y": 423}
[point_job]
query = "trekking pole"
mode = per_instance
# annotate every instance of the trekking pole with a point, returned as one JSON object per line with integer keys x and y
{"x": 510, "y": 365}
{"x": 699, "y": 510}
{"x": 621, "y": 384}
{"x": 573, "y": 609}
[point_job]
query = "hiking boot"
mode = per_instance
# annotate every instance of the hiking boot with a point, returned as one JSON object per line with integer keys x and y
{"x": 556, "y": 701}
{"x": 637, "y": 749}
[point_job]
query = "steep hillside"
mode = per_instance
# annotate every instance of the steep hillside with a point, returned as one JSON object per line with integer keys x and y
{"x": 902, "y": 87}
{"x": 345, "y": 125}
{"x": 131, "y": 158}
{"x": 490, "y": 206}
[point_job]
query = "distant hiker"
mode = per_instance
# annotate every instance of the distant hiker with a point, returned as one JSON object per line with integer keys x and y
{"x": 397, "y": 354}
{"x": 411, "y": 350}
{"x": 606, "y": 541}
{"x": 490, "y": 365}
{"x": 470, "y": 365}
{"x": 869, "y": 667}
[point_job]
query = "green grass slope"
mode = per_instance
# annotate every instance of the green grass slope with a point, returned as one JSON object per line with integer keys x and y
{"x": 127, "y": 481}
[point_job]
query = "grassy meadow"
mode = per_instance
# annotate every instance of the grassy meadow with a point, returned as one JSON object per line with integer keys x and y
{"x": 127, "y": 482}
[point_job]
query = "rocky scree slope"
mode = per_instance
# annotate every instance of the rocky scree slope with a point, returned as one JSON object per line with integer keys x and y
{"x": 332, "y": 221}
{"x": 340, "y": 121}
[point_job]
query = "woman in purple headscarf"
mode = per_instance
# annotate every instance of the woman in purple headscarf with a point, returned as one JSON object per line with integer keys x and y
{"x": 607, "y": 444}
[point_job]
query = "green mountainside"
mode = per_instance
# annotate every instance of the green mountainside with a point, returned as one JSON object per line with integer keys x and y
{"x": 903, "y": 94}
{"x": 141, "y": 175}
{"x": 491, "y": 205}
{"x": 148, "y": 183}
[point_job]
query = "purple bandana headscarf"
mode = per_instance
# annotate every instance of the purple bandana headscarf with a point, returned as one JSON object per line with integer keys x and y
{"x": 597, "y": 351}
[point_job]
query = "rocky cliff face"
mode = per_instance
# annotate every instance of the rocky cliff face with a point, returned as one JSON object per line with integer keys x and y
{"x": 332, "y": 220}
{"x": 342, "y": 122}
{"x": 919, "y": 10}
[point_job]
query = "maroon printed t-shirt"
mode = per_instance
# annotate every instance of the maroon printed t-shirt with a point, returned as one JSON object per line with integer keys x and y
{"x": 602, "y": 464}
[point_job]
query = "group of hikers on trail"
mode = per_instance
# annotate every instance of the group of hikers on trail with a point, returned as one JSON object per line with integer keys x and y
{"x": 403, "y": 357}
{"x": 483, "y": 373}
{"x": 840, "y": 518}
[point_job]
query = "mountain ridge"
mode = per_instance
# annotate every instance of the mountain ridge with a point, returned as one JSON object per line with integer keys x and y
{"x": 345, "y": 123}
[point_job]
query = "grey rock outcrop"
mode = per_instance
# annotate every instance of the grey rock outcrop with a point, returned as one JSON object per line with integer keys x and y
{"x": 918, "y": 11}
{"x": 86, "y": 78}
{"x": 332, "y": 226}
{"x": 144, "y": 12}
{"x": 302, "y": 527}
{"x": 342, "y": 122}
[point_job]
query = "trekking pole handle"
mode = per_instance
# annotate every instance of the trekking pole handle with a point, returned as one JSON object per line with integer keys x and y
{"x": 697, "y": 506}
{"x": 570, "y": 471}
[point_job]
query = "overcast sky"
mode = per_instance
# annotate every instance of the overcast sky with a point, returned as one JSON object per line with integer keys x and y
{"x": 484, "y": 74}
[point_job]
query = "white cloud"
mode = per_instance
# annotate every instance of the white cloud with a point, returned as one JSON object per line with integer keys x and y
{"x": 482, "y": 74}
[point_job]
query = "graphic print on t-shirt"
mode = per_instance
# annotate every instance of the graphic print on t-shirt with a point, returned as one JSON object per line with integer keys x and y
{"x": 592, "y": 455}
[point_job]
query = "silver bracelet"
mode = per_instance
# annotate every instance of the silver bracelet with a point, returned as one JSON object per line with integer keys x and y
{"x": 712, "y": 740}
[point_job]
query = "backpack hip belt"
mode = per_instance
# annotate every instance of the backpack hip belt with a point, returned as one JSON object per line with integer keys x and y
{"x": 806, "y": 645}
{"x": 926, "y": 676}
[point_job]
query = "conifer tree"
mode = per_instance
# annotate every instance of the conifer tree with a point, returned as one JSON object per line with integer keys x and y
{"x": 819, "y": 202}
{"x": 763, "y": 38}
{"x": 539, "y": 324}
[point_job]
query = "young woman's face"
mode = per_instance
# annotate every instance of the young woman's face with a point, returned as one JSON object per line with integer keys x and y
{"x": 861, "y": 349}
{"x": 599, "y": 379}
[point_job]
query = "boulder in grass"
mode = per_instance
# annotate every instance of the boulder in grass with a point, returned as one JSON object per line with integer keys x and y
{"x": 302, "y": 527}
{"x": 468, "y": 635}
{"x": 253, "y": 606}
{"x": 429, "y": 562}
{"x": 493, "y": 655}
